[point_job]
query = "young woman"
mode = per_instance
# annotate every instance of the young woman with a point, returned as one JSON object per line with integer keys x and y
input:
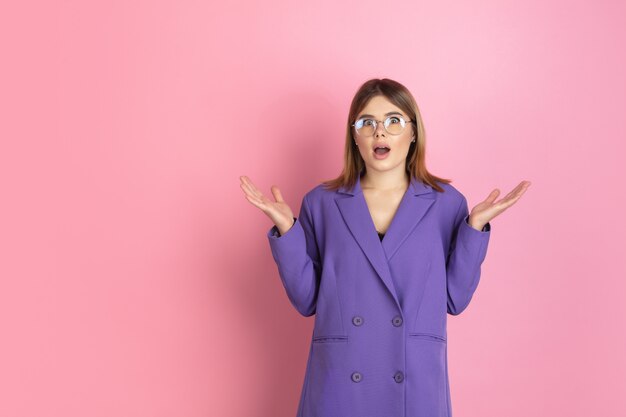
{"x": 380, "y": 255}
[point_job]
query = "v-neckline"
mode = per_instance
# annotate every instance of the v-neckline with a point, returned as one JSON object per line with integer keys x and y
{"x": 404, "y": 196}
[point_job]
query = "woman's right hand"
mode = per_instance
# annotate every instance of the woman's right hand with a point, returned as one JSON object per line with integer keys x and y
{"x": 278, "y": 211}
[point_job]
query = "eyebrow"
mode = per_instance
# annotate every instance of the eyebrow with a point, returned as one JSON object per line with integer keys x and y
{"x": 386, "y": 114}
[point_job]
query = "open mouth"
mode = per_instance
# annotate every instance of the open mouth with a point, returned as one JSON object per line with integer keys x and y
{"x": 381, "y": 150}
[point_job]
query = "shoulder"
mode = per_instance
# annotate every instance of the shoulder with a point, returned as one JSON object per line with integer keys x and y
{"x": 318, "y": 193}
{"x": 451, "y": 196}
{"x": 450, "y": 193}
{"x": 319, "y": 198}
{"x": 449, "y": 190}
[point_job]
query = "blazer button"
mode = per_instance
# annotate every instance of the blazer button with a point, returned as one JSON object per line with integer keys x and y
{"x": 356, "y": 376}
{"x": 398, "y": 377}
{"x": 357, "y": 320}
{"x": 397, "y": 321}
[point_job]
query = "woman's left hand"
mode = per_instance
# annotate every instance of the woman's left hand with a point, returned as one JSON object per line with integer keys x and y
{"x": 486, "y": 210}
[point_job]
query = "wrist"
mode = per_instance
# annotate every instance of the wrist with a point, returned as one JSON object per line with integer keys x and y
{"x": 475, "y": 223}
{"x": 282, "y": 229}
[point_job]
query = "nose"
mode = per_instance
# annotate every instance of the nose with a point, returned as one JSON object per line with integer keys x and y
{"x": 380, "y": 127}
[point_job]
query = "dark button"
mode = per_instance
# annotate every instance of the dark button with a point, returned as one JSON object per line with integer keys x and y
{"x": 398, "y": 377}
{"x": 397, "y": 321}
{"x": 357, "y": 320}
{"x": 356, "y": 376}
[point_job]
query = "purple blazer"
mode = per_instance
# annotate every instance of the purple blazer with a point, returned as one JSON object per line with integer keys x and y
{"x": 378, "y": 347}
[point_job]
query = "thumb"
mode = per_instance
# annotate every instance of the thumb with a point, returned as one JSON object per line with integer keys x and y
{"x": 493, "y": 195}
{"x": 277, "y": 194}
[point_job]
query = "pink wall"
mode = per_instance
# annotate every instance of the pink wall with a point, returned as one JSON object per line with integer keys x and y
{"x": 136, "y": 279}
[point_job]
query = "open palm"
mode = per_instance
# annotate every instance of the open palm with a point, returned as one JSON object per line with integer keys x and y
{"x": 277, "y": 210}
{"x": 486, "y": 210}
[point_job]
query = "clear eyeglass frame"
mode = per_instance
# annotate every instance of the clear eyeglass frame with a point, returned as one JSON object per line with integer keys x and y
{"x": 359, "y": 124}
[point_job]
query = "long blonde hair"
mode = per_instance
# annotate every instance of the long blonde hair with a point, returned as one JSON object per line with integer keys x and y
{"x": 401, "y": 97}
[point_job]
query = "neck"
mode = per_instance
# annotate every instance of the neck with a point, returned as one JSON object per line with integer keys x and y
{"x": 385, "y": 181}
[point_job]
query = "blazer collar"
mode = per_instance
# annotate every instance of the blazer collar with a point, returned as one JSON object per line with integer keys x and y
{"x": 415, "y": 186}
{"x": 415, "y": 202}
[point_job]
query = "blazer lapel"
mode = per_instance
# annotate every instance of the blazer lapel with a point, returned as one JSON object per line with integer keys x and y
{"x": 414, "y": 204}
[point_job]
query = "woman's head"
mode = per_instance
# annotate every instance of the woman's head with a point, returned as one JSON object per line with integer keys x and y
{"x": 382, "y": 123}
{"x": 384, "y": 102}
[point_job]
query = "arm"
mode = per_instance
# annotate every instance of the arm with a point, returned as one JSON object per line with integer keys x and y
{"x": 467, "y": 251}
{"x": 297, "y": 257}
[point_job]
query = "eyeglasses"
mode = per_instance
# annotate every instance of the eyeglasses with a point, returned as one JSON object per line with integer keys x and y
{"x": 394, "y": 125}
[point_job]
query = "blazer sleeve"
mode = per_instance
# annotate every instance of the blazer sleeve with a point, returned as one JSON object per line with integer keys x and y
{"x": 297, "y": 256}
{"x": 467, "y": 251}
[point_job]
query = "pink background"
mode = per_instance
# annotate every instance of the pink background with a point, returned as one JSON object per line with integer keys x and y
{"x": 137, "y": 280}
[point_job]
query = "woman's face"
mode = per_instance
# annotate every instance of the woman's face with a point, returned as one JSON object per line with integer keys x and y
{"x": 379, "y": 108}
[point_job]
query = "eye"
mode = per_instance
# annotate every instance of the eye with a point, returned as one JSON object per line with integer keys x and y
{"x": 367, "y": 122}
{"x": 394, "y": 120}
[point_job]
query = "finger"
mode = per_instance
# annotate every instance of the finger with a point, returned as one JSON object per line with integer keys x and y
{"x": 509, "y": 201}
{"x": 516, "y": 193}
{"x": 260, "y": 200}
{"x": 511, "y": 194}
{"x": 520, "y": 192}
{"x": 263, "y": 203}
{"x": 248, "y": 190}
{"x": 253, "y": 189}
{"x": 522, "y": 187}
{"x": 492, "y": 196}
{"x": 277, "y": 194}
{"x": 255, "y": 202}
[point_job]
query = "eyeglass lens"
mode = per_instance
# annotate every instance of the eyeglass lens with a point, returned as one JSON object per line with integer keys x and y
{"x": 393, "y": 125}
